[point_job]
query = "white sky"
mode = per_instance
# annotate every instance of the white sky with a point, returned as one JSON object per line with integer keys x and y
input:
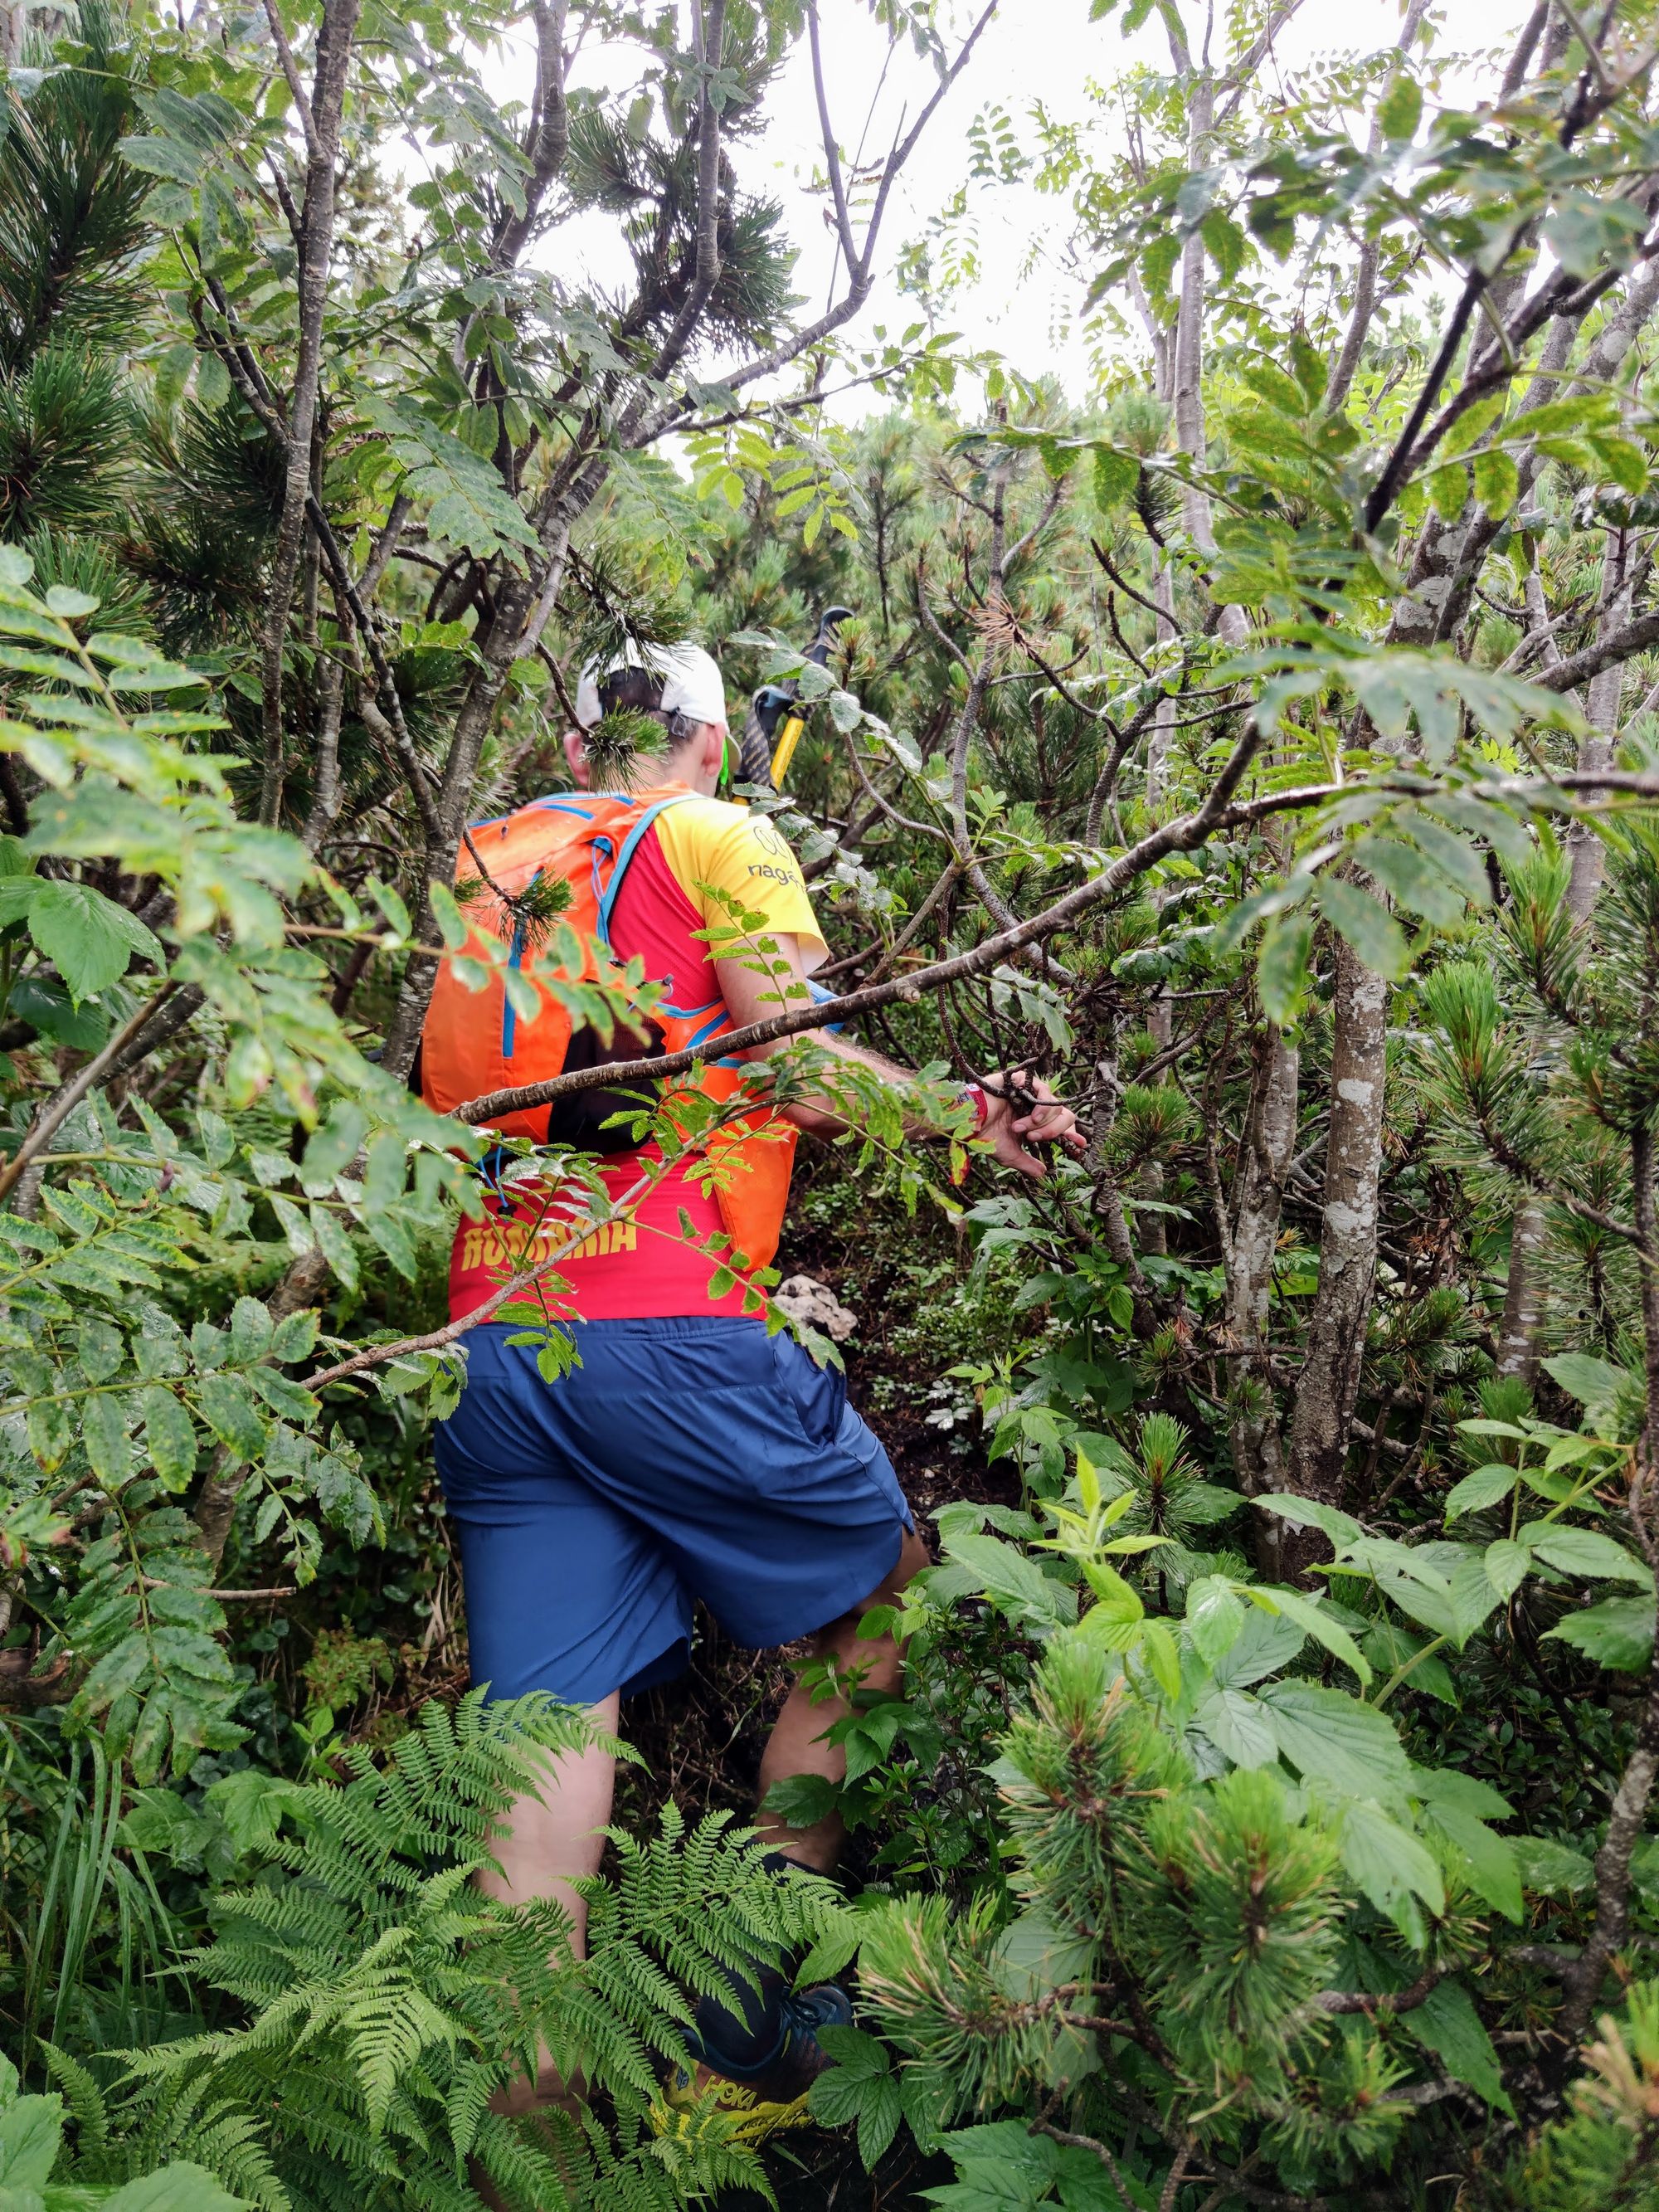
{"x": 1033, "y": 50}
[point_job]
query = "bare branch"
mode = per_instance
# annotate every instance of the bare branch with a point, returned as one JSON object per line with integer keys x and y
{"x": 58, "y": 1110}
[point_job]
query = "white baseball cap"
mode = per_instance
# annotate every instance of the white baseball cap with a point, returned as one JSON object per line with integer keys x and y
{"x": 691, "y": 682}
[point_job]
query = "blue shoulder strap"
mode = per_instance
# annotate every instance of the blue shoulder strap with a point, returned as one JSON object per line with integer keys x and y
{"x": 630, "y": 845}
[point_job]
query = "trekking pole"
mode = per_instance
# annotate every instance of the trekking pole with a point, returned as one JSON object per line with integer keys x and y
{"x": 777, "y": 707}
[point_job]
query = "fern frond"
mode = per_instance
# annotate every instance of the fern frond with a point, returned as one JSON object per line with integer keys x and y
{"x": 83, "y": 2100}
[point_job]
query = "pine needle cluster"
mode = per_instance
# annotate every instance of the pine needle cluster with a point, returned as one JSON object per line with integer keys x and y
{"x": 1176, "y": 1937}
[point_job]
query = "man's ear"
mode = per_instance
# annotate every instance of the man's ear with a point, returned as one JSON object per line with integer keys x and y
{"x": 576, "y": 753}
{"x": 713, "y": 750}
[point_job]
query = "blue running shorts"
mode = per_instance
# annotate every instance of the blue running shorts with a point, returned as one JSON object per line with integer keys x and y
{"x": 689, "y": 1457}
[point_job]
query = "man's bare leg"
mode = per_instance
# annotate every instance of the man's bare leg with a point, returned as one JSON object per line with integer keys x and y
{"x": 796, "y": 1745}
{"x": 554, "y": 1834}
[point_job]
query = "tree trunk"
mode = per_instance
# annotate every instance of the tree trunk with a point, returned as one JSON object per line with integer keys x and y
{"x": 1328, "y": 1386}
{"x": 334, "y": 42}
{"x": 1602, "y": 706}
{"x": 1520, "y": 1343}
{"x": 1519, "y": 1347}
{"x": 1628, "y": 1818}
{"x": 1265, "y": 1157}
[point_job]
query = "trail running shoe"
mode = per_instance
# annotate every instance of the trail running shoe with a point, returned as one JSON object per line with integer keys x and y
{"x": 772, "y": 2096}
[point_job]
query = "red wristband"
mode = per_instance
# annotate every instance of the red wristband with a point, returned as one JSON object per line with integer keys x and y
{"x": 980, "y": 1098}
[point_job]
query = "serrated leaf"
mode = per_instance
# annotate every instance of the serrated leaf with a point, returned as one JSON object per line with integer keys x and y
{"x": 1282, "y": 966}
{"x": 1215, "y": 1613}
{"x": 1318, "y": 1623}
{"x": 31, "y": 2136}
{"x": 1497, "y": 481}
{"x": 1585, "y": 1551}
{"x": 169, "y": 1437}
{"x": 1618, "y": 1633}
{"x": 1488, "y": 1860}
{"x": 1410, "y": 879}
{"x": 1479, "y": 1489}
{"x": 1447, "y": 2024}
{"x": 1387, "y": 1862}
{"x": 1507, "y": 1564}
{"x": 1448, "y": 488}
{"x": 228, "y": 1408}
{"x": 1116, "y": 474}
{"x": 1237, "y": 1727}
{"x": 104, "y": 1432}
{"x": 1377, "y": 938}
{"x": 1401, "y": 109}
{"x": 1333, "y": 1742}
{"x": 1163, "y": 1655}
{"x": 89, "y": 939}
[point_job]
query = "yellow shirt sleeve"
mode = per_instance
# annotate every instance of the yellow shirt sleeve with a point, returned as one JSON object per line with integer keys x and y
{"x": 713, "y": 848}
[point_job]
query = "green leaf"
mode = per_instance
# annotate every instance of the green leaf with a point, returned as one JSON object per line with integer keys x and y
{"x": 1447, "y": 2023}
{"x": 104, "y": 1433}
{"x": 1116, "y": 474}
{"x": 1410, "y": 879}
{"x": 1551, "y": 1869}
{"x": 1215, "y": 1613}
{"x": 182, "y": 2187}
{"x": 1282, "y": 966}
{"x": 1479, "y": 1489}
{"x": 160, "y": 157}
{"x": 1595, "y": 1383}
{"x": 1401, "y": 109}
{"x": 1454, "y": 857}
{"x": 1307, "y": 1613}
{"x": 31, "y": 2136}
{"x": 1309, "y": 1513}
{"x": 1507, "y": 1564}
{"x": 1011, "y": 1579}
{"x": 1497, "y": 481}
{"x": 1376, "y": 937}
{"x": 228, "y": 1408}
{"x": 1387, "y": 1862}
{"x": 1448, "y": 489}
{"x": 1585, "y": 1551}
{"x": 1163, "y": 1656}
{"x": 1333, "y": 1742}
{"x": 860, "y": 2086}
{"x": 1623, "y": 462}
{"x": 801, "y": 1801}
{"x": 1237, "y": 1726}
{"x": 335, "y": 1244}
{"x": 1472, "y": 1597}
{"x": 87, "y": 937}
{"x": 212, "y": 381}
{"x": 1488, "y": 1860}
{"x": 1616, "y": 1634}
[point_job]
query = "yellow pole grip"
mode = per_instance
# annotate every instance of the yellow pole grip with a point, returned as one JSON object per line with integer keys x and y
{"x": 788, "y": 738}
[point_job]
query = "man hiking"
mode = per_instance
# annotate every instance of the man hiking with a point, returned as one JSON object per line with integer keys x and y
{"x": 690, "y": 1454}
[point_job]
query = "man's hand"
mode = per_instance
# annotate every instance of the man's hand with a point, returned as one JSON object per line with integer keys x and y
{"x": 1021, "y": 1109}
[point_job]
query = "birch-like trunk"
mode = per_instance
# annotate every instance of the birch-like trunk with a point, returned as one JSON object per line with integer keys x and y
{"x": 1267, "y": 1148}
{"x": 1521, "y": 1339}
{"x": 1328, "y": 1386}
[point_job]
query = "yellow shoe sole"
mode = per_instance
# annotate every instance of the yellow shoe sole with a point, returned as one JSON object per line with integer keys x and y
{"x": 691, "y": 2096}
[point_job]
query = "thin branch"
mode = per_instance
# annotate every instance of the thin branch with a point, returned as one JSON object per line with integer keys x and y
{"x": 1179, "y": 834}
{"x": 57, "y": 1110}
{"x": 295, "y": 85}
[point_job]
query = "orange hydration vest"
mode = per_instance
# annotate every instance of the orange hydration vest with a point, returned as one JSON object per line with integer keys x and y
{"x": 475, "y": 1042}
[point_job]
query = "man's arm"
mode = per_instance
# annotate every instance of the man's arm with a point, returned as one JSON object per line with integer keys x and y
{"x": 751, "y": 994}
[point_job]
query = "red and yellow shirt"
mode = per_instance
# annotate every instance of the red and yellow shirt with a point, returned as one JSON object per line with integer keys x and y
{"x": 646, "y": 1265}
